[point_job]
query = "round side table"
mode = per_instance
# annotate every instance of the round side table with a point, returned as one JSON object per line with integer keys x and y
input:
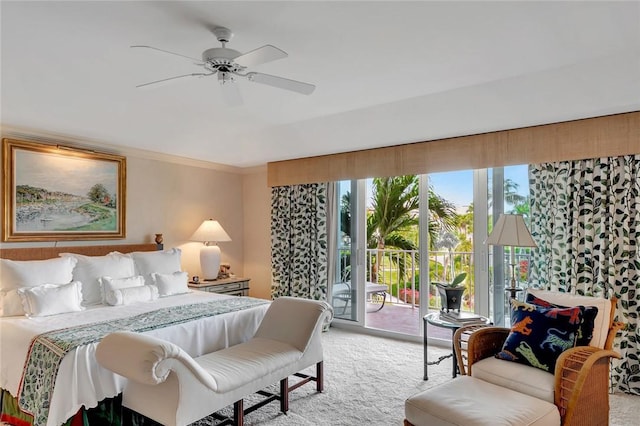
{"x": 435, "y": 320}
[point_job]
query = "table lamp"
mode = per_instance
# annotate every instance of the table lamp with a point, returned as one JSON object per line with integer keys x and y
{"x": 510, "y": 230}
{"x": 210, "y": 233}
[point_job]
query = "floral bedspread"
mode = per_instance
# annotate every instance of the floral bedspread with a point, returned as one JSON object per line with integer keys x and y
{"x": 48, "y": 349}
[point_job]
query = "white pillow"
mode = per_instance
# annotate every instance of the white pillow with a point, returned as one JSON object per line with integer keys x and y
{"x": 50, "y": 299}
{"x": 170, "y": 284}
{"x": 90, "y": 269}
{"x": 108, "y": 284}
{"x": 127, "y": 295}
{"x": 15, "y": 274}
{"x": 163, "y": 262}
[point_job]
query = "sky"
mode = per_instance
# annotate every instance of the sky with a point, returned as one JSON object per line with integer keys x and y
{"x": 457, "y": 187}
{"x": 72, "y": 175}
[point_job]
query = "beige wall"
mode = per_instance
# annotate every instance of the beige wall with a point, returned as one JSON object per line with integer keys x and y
{"x": 256, "y": 199}
{"x": 173, "y": 198}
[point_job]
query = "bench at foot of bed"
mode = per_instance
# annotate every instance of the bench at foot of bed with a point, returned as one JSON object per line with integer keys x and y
{"x": 170, "y": 387}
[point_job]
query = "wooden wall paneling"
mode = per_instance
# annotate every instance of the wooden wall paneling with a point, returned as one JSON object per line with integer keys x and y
{"x": 604, "y": 136}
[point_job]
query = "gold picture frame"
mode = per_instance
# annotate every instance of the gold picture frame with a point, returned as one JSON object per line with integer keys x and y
{"x": 54, "y": 192}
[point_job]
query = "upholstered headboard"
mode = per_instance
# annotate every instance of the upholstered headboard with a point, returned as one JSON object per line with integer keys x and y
{"x": 40, "y": 253}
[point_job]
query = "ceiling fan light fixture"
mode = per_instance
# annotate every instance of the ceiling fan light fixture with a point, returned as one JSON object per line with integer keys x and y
{"x": 225, "y": 77}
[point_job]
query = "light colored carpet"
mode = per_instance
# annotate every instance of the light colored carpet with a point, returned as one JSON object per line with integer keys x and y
{"x": 367, "y": 380}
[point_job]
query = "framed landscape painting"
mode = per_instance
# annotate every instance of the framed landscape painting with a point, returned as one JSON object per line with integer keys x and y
{"x": 53, "y": 192}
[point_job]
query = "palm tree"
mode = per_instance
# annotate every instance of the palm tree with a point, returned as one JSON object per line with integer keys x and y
{"x": 442, "y": 216}
{"x": 394, "y": 213}
{"x": 394, "y": 203}
{"x": 522, "y": 209}
{"x": 394, "y": 209}
{"x": 511, "y": 195}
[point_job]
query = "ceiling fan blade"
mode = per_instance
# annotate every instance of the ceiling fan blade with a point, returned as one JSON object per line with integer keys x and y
{"x": 197, "y": 61}
{"x": 282, "y": 83}
{"x": 230, "y": 91}
{"x": 165, "y": 80}
{"x": 260, "y": 55}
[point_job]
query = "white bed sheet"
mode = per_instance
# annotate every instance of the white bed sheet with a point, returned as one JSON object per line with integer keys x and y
{"x": 81, "y": 381}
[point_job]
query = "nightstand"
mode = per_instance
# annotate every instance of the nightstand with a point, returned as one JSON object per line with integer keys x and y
{"x": 231, "y": 286}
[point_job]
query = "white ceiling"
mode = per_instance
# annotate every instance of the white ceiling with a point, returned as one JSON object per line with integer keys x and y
{"x": 386, "y": 72}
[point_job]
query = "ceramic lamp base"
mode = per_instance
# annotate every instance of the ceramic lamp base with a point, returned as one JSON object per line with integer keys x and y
{"x": 210, "y": 262}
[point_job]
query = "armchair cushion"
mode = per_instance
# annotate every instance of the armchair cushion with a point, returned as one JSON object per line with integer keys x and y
{"x": 518, "y": 377}
{"x": 589, "y": 313}
{"x": 539, "y": 335}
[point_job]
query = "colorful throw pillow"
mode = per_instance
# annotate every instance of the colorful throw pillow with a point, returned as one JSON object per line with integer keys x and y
{"x": 539, "y": 335}
{"x": 585, "y": 330}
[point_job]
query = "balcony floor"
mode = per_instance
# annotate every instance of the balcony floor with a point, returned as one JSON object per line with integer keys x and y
{"x": 402, "y": 318}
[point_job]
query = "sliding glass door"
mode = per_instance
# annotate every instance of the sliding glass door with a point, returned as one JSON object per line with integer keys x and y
{"x": 399, "y": 236}
{"x": 508, "y": 192}
{"x": 344, "y": 294}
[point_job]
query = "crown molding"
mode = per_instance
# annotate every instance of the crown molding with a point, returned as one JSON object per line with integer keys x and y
{"x": 36, "y": 135}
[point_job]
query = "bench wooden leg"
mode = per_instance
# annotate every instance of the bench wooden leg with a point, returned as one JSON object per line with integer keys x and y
{"x": 284, "y": 395}
{"x": 320, "y": 376}
{"x": 238, "y": 406}
{"x": 238, "y": 413}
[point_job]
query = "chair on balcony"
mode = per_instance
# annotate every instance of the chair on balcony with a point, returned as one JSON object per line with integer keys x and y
{"x": 343, "y": 293}
{"x": 575, "y": 392}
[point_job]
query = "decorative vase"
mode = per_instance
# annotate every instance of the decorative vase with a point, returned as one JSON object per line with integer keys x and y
{"x": 159, "y": 239}
{"x": 450, "y": 297}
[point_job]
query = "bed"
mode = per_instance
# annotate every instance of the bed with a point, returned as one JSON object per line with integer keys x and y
{"x": 162, "y": 306}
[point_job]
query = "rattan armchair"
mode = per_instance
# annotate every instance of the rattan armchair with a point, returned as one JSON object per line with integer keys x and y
{"x": 581, "y": 373}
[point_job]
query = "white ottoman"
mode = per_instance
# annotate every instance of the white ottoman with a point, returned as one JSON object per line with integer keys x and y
{"x": 467, "y": 401}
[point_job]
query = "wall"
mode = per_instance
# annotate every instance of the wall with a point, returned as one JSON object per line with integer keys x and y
{"x": 173, "y": 198}
{"x": 256, "y": 196}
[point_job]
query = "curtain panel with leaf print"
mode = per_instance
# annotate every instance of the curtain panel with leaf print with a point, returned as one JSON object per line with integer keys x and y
{"x": 585, "y": 218}
{"x": 299, "y": 241}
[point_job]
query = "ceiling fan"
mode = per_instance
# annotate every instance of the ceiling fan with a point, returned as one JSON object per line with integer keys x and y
{"x": 231, "y": 65}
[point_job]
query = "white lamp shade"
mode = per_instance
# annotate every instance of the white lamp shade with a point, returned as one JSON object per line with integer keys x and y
{"x": 510, "y": 230}
{"x": 210, "y": 233}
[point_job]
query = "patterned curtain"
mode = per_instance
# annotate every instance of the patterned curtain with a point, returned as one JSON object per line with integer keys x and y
{"x": 585, "y": 218}
{"x": 299, "y": 241}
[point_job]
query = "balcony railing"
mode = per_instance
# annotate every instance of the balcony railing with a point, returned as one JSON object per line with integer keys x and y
{"x": 399, "y": 270}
